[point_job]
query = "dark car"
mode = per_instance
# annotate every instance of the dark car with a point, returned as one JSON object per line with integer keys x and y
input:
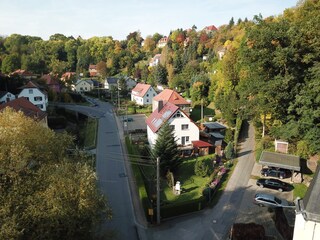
{"x": 127, "y": 119}
{"x": 268, "y": 200}
{"x": 275, "y": 172}
{"x": 274, "y": 184}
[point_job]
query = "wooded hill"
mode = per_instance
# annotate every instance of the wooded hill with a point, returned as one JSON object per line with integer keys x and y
{"x": 269, "y": 73}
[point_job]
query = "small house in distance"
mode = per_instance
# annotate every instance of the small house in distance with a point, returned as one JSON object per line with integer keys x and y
{"x": 93, "y": 70}
{"x": 6, "y": 97}
{"x": 142, "y": 94}
{"x": 34, "y": 93}
{"x": 213, "y": 132}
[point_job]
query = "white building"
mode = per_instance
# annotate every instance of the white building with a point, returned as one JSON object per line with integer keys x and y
{"x": 143, "y": 94}
{"x": 307, "y": 222}
{"x": 155, "y": 60}
{"x": 36, "y": 96}
{"x": 6, "y": 97}
{"x": 185, "y": 130}
{"x": 83, "y": 86}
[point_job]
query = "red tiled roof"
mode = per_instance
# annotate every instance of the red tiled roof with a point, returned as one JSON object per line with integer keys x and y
{"x": 141, "y": 89}
{"x": 21, "y": 72}
{"x": 211, "y": 28}
{"x": 157, "y": 119}
{"x": 200, "y": 144}
{"x": 30, "y": 84}
{"x": 50, "y": 80}
{"x": 169, "y": 95}
{"x": 67, "y": 75}
{"x": 25, "y": 106}
{"x": 92, "y": 66}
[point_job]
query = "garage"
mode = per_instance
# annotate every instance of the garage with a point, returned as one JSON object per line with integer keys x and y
{"x": 280, "y": 160}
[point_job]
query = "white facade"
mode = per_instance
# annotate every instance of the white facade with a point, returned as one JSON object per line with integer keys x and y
{"x": 83, "y": 86}
{"x": 146, "y": 99}
{"x": 7, "y": 97}
{"x": 36, "y": 97}
{"x": 185, "y": 130}
{"x": 306, "y": 230}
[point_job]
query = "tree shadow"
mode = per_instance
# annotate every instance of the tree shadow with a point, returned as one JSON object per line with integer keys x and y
{"x": 186, "y": 190}
{"x": 244, "y": 133}
{"x": 244, "y": 153}
{"x": 304, "y": 167}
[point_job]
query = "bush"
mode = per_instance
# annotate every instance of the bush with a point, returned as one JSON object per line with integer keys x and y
{"x": 200, "y": 168}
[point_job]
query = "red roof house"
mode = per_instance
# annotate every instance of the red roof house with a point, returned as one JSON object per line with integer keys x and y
{"x": 143, "y": 94}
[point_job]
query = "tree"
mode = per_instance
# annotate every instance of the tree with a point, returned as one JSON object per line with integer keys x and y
{"x": 10, "y": 63}
{"x": 166, "y": 149}
{"x": 229, "y": 151}
{"x": 160, "y": 74}
{"x": 102, "y": 69}
{"x": 44, "y": 193}
{"x": 200, "y": 168}
{"x": 123, "y": 86}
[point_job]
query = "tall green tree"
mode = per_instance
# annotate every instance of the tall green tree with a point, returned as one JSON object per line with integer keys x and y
{"x": 166, "y": 149}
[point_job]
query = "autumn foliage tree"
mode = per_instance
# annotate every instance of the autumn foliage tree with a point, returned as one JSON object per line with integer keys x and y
{"x": 44, "y": 193}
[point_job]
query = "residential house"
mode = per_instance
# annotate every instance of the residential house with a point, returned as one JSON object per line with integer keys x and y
{"x": 201, "y": 148}
{"x": 210, "y": 29}
{"x": 6, "y": 97}
{"x": 67, "y": 76}
{"x": 143, "y": 94}
{"x": 162, "y": 42}
{"x": 111, "y": 82}
{"x": 93, "y": 70}
{"x": 24, "y": 74}
{"x": 185, "y": 130}
{"x": 83, "y": 86}
{"x": 168, "y": 95}
{"x": 221, "y": 52}
{"x": 155, "y": 60}
{"x": 213, "y": 132}
{"x": 131, "y": 83}
{"x": 35, "y": 94}
{"x": 307, "y": 221}
{"x": 52, "y": 83}
{"x": 30, "y": 110}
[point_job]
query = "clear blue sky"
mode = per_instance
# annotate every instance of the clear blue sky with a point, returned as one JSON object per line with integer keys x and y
{"x": 117, "y": 18}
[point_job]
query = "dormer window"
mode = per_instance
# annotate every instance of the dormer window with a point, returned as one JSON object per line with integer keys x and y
{"x": 30, "y": 91}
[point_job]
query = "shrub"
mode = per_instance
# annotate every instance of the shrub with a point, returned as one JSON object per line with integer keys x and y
{"x": 200, "y": 168}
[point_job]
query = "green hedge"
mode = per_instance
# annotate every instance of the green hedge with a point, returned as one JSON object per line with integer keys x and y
{"x": 180, "y": 208}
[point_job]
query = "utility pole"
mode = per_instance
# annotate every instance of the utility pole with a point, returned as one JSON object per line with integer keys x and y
{"x": 118, "y": 97}
{"x": 158, "y": 190}
{"x": 201, "y": 110}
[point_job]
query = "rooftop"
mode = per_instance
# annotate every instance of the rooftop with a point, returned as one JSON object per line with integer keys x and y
{"x": 280, "y": 160}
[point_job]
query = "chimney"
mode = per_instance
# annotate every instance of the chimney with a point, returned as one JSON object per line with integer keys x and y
{"x": 160, "y": 105}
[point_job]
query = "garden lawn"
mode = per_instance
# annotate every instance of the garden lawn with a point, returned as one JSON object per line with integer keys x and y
{"x": 191, "y": 185}
{"x": 90, "y": 133}
{"x": 196, "y": 112}
{"x": 299, "y": 190}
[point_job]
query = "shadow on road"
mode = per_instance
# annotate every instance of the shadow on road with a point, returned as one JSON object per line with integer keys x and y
{"x": 244, "y": 153}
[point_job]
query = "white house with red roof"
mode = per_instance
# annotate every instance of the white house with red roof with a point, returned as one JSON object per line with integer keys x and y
{"x": 162, "y": 42}
{"x": 210, "y": 28}
{"x": 185, "y": 130}
{"x": 168, "y": 95}
{"x": 35, "y": 95}
{"x": 142, "y": 94}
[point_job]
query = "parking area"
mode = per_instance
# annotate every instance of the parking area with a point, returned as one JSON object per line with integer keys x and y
{"x": 134, "y": 123}
{"x": 250, "y": 212}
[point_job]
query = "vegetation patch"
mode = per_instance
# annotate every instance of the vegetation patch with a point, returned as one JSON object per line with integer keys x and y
{"x": 300, "y": 190}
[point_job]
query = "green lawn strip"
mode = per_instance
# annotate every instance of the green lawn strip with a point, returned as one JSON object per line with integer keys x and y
{"x": 196, "y": 112}
{"x": 91, "y": 130}
{"x": 299, "y": 190}
{"x": 133, "y": 152}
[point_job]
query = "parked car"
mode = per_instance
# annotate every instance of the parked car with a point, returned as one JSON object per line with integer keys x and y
{"x": 127, "y": 119}
{"x": 274, "y": 184}
{"x": 275, "y": 172}
{"x": 268, "y": 200}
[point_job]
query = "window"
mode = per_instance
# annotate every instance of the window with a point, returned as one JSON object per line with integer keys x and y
{"x": 147, "y": 100}
{"x": 172, "y": 127}
{"x": 147, "y": 95}
{"x": 184, "y": 140}
{"x": 40, "y": 106}
{"x": 38, "y": 98}
{"x": 30, "y": 91}
{"x": 184, "y": 126}
{"x": 178, "y": 115}
{"x": 153, "y": 94}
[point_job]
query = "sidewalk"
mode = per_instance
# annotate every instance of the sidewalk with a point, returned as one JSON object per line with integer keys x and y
{"x": 139, "y": 215}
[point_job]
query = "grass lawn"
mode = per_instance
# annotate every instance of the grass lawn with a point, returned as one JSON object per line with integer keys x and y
{"x": 196, "y": 112}
{"x": 90, "y": 131}
{"x": 191, "y": 185}
{"x": 299, "y": 190}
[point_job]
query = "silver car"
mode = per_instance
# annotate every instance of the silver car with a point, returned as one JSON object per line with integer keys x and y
{"x": 268, "y": 200}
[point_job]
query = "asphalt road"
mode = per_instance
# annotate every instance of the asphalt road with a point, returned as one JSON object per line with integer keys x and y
{"x": 111, "y": 172}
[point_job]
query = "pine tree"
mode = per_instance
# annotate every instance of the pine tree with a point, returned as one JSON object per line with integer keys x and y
{"x": 166, "y": 149}
{"x": 229, "y": 151}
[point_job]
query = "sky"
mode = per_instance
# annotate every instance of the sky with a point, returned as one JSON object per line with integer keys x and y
{"x": 118, "y": 18}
